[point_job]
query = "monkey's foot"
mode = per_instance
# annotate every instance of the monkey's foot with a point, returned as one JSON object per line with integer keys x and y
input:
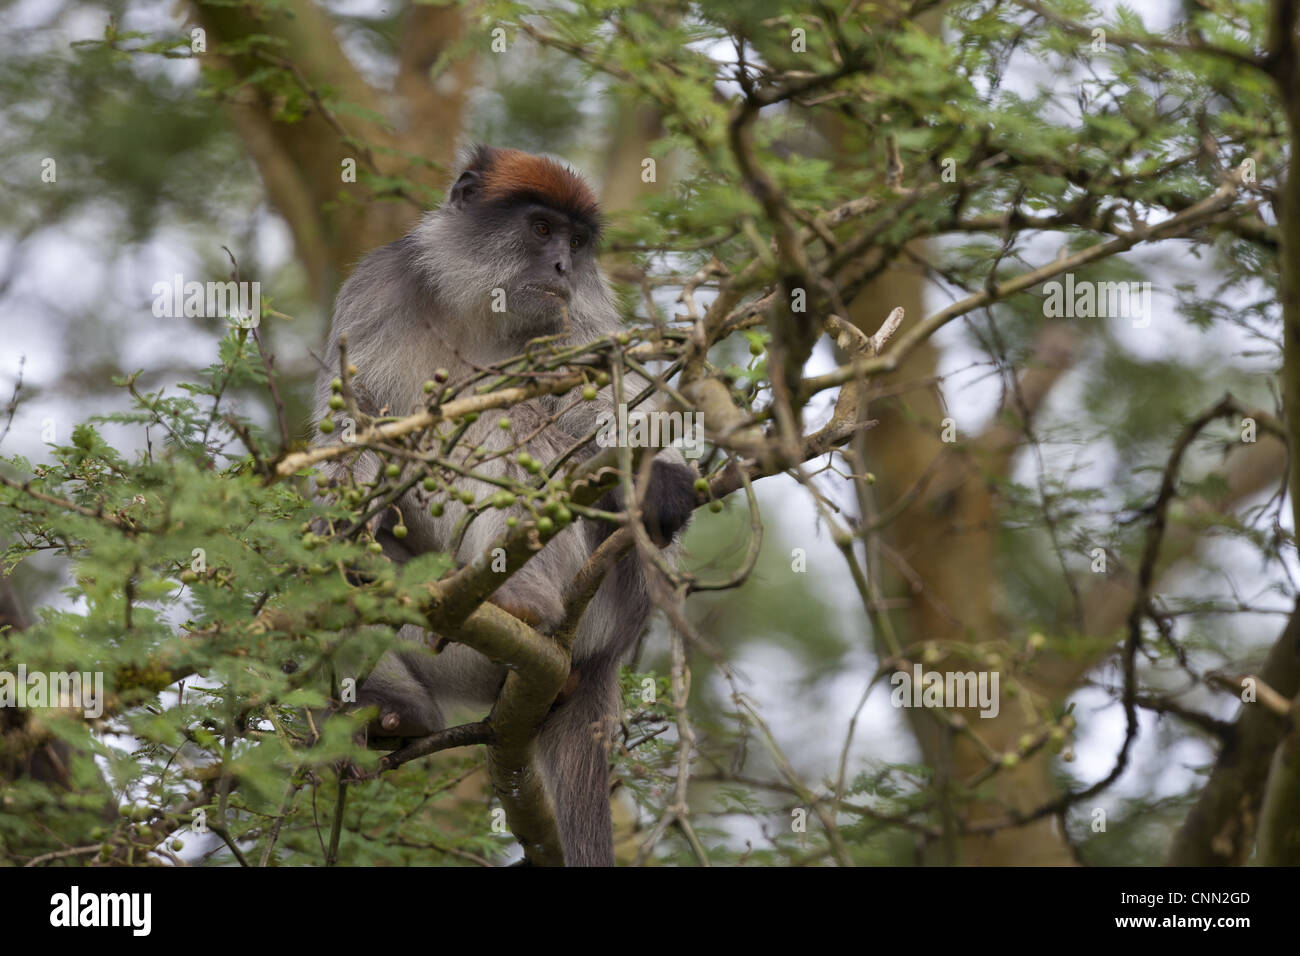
{"x": 570, "y": 685}
{"x": 525, "y": 614}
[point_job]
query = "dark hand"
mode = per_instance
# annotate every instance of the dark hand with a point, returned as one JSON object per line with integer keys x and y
{"x": 669, "y": 501}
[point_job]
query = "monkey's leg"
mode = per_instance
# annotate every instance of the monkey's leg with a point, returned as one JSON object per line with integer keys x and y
{"x": 574, "y": 747}
{"x": 399, "y": 687}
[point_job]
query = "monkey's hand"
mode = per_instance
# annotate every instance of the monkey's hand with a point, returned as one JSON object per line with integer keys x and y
{"x": 669, "y": 500}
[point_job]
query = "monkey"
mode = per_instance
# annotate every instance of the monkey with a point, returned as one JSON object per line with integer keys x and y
{"x": 525, "y": 227}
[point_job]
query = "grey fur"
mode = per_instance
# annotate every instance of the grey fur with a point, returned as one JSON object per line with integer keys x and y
{"x": 422, "y": 303}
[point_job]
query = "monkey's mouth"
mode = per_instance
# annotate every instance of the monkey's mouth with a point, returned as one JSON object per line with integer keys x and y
{"x": 552, "y": 289}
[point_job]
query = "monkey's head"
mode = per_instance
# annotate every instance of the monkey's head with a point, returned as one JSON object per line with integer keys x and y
{"x": 520, "y": 231}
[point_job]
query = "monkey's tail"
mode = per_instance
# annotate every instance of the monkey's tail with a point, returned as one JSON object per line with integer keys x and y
{"x": 574, "y": 748}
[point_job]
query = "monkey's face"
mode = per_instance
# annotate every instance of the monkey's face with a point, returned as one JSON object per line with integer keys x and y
{"x": 554, "y": 260}
{"x": 513, "y": 244}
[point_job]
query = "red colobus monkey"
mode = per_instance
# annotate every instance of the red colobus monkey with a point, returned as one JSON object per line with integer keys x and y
{"x": 521, "y": 228}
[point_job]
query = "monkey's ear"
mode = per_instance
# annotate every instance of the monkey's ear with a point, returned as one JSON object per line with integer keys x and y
{"x": 466, "y": 188}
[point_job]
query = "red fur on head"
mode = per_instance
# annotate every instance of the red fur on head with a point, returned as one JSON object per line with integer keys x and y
{"x": 512, "y": 174}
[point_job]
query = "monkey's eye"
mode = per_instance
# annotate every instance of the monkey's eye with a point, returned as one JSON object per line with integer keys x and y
{"x": 575, "y": 243}
{"x": 542, "y": 228}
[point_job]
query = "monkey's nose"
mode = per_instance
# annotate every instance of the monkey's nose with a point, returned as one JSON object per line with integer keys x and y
{"x": 562, "y": 266}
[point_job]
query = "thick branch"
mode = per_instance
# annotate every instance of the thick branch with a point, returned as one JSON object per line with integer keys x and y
{"x": 1220, "y": 828}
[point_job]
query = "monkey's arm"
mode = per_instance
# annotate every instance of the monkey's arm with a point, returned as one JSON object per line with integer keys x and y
{"x": 669, "y": 500}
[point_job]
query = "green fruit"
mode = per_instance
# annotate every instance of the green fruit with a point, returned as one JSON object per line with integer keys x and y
{"x": 374, "y": 547}
{"x": 336, "y": 384}
{"x": 352, "y": 369}
{"x": 393, "y": 470}
{"x": 503, "y": 423}
{"x": 470, "y": 418}
{"x": 430, "y": 484}
{"x": 715, "y": 506}
{"x": 702, "y": 485}
{"x": 178, "y": 845}
{"x": 756, "y": 348}
{"x": 436, "y": 509}
{"x": 441, "y": 375}
{"x": 399, "y": 531}
{"x": 188, "y": 577}
{"x": 309, "y": 541}
{"x": 1010, "y": 760}
{"x": 589, "y": 393}
{"x": 512, "y": 521}
{"x": 326, "y": 426}
{"x": 429, "y": 386}
{"x": 467, "y": 497}
{"x": 545, "y": 525}
{"x": 563, "y": 516}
